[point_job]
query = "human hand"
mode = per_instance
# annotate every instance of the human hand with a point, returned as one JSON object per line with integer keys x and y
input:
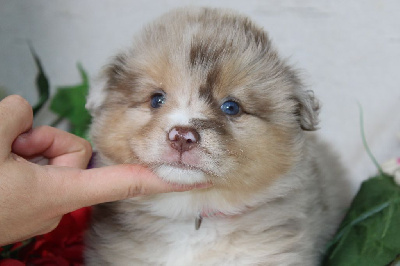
{"x": 33, "y": 198}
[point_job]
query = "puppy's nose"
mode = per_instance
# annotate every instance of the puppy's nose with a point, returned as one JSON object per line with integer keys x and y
{"x": 183, "y": 138}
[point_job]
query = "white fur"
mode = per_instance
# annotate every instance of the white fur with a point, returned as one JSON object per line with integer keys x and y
{"x": 180, "y": 176}
{"x": 179, "y": 117}
{"x": 96, "y": 95}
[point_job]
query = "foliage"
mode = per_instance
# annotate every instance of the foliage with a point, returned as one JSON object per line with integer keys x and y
{"x": 369, "y": 234}
{"x": 42, "y": 84}
{"x": 69, "y": 103}
{"x": 63, "y": 246}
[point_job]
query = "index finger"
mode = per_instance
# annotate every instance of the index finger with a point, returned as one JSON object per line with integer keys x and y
{"x": 80, "y": 188}
{"x": 16, "y": 117}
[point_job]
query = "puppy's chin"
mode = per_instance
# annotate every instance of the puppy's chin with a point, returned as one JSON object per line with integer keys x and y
{"x": 178, "y": 175}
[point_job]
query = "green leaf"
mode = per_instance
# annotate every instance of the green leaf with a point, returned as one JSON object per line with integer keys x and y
{"x": 69, "y": 103}
{"x": 42, "y": 84}
{"x": 370, "y": 233}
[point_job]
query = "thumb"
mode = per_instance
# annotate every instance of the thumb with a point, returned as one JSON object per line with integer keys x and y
{"x": 88, "y": 187}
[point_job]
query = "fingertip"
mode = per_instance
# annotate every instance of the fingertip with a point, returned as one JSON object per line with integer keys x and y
{"x": 160, "y": 185}
{"x": 17, "y": 101}
{"x": 16, "y": 117}
{"x": 15, "y": 98}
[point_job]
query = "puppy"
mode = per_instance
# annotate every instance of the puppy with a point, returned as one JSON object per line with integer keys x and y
{"x": 203, "y": 97}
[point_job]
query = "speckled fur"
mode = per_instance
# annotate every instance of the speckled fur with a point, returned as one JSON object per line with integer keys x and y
{"x": 278, "y": 191}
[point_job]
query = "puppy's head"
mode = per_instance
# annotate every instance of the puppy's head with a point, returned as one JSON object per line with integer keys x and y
{"x": 202, "y": 96}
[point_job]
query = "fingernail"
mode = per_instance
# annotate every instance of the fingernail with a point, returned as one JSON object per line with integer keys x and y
{"x": 26, "y": 134}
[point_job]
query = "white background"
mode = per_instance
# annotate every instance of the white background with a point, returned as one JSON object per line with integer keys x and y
{"x": 349, "y": 52}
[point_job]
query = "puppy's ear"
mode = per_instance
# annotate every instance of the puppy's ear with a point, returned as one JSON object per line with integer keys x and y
{"x": 97, "y": 95}
{"x": 101, "y": 85}
{"x": 307, "y": 110}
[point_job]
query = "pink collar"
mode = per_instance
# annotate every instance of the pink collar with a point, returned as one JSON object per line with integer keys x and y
{"x": 212, "y": 214}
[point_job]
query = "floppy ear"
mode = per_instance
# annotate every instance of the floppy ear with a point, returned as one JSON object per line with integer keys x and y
{"x": 97, "y": 95}
{"x": 108, "y": 78}
{"x": 307, "y": 110}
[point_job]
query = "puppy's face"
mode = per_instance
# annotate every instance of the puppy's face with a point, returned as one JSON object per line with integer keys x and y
{"x": 203, "y": 97}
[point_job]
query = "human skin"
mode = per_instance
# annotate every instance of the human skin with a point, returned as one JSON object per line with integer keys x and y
{"x": 33, "y": 198}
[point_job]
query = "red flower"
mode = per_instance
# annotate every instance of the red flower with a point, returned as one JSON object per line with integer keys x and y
{"x": 11, "y": 262}
{"x": 62, "y": 246}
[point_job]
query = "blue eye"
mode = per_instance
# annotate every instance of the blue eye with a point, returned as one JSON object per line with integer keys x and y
{"x": 230, "y": 108}
{"x": 157, "y": 100}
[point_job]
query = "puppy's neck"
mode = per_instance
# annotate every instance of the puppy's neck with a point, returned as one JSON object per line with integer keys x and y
{"x": 207, "y": 213}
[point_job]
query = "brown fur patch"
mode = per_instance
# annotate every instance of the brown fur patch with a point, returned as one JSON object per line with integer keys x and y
{"x": 112, "y": 140}
{"x": 219, "y": 126}
{"x": 276, "y": 158}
